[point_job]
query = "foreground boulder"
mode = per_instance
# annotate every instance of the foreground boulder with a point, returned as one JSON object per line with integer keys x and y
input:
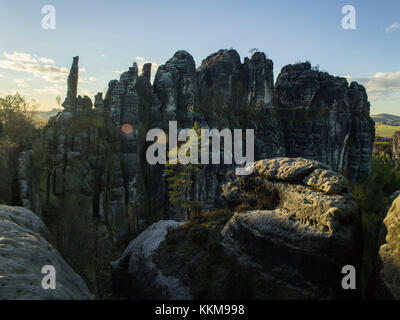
{"x": 295, "y": 227}
{"x": 389, "y": 253}
{"x": 24, "y": 252}
{"x": 303, "y": 237}
{"x": 137, "y": 277}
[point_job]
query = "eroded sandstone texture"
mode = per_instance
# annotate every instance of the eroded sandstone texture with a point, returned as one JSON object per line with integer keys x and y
{"x": 305, "y": 236}
{"x": 299, "y": 228}
{"x": 100, "y": 163}
{"x": 24, "y": 252}
{"x": 389, "y": 252}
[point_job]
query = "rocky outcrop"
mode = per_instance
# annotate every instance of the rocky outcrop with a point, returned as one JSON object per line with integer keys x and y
{"x": 305, "y": 230}
{"x": 325, "y": 119}
{"x": 389, "y": 252}
{"x": 307, "y": 113}
{"x": 137, "y": 277}
{"x": 297, "y": 227}
{"x": 24, "y": 252}
{"x": 70, "y": 101}
{"x": 396, "y": 145}
{"x": 29, "y": 194}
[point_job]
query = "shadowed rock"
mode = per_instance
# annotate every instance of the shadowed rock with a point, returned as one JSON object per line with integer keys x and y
{"x": 24, "y": 252}
{"x": 72, "y": 92}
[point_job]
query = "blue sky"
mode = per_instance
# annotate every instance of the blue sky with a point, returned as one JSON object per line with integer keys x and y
{"x": 110, "y": 35}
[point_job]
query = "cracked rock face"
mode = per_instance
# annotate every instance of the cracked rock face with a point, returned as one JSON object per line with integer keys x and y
{"x": 325, "y": 119}
{"x": 389, "y": 252}
{"x": 24, "y": 252}
{"x": 303, "y": 236}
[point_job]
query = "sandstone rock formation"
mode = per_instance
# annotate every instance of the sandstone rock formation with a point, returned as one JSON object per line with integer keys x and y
{"x": 70, "y": 101}
{"x": 136, "y": 276}
{"x": 389, "y": 252}
{"x": 325, "y": 119}
{"x": 396, "y": 145}
{"x": 24, "y": 252}
{"x": 102, "y": 159}
{"x": 299, "y": 228}
{"x": 306, "y": 227}
{"x": 29, "y": 195}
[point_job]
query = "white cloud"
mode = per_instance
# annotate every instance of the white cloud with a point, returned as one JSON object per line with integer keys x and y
{"x": 142, "y": 61}
{"x": 10, "y": 92}
{"x": 103, "y": 55}
{"x": 86, "y": 80}
{"x": 46, "y": 72}
{"x": 20, "y": 57}
{"x": 54, "y": 89}
{"x": 394, "y": 26}
{"x": 46, "y": 60}
{"x": 22, "y": 83}
{"x": 381, "y": 85}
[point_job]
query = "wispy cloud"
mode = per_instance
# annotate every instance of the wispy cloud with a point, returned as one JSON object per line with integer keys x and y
{"x": 22, "y": 83}
{"x": 11, "y": 91}
{"x": 25, "y": 62}
{"x": 54, "y": 89}
{"x": 46, "y": 60}
{"x": 382, "y": 85}
{"x": 20, "y": 57}
{"x": 394, "y": 26}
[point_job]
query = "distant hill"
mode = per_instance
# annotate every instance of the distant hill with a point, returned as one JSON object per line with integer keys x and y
{"x": 388, "y": 119}
{"x": 45, "y": 115}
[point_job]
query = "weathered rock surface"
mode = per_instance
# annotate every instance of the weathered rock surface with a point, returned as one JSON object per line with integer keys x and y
{"x": 389, "y": 252}
{"x": 137, "y": 277}
{"x": 100, "y": 162}
{"x": 70, "y": 101}
{"x": 24, "y": 252}
{"x": 325, "y": 119}
{"x": 396, "y": 145}
{"x": 305, "y": 229}
{"x": 300, "y": 228}
{"x": 29, "y": 195}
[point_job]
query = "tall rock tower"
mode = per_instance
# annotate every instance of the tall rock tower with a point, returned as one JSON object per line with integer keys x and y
{"x": 70, "y": 101}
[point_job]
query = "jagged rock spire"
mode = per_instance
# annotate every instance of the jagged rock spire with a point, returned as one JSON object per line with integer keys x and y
{"x": 70, "y": 100}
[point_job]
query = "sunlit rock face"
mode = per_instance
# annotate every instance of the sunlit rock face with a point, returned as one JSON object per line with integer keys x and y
{"x": 389, "y": 253}
{"x": 300, "y": 225}
{"x": 24, "y": 251}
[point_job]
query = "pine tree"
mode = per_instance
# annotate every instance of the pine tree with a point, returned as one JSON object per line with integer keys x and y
{"x": 181, "y": 178}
